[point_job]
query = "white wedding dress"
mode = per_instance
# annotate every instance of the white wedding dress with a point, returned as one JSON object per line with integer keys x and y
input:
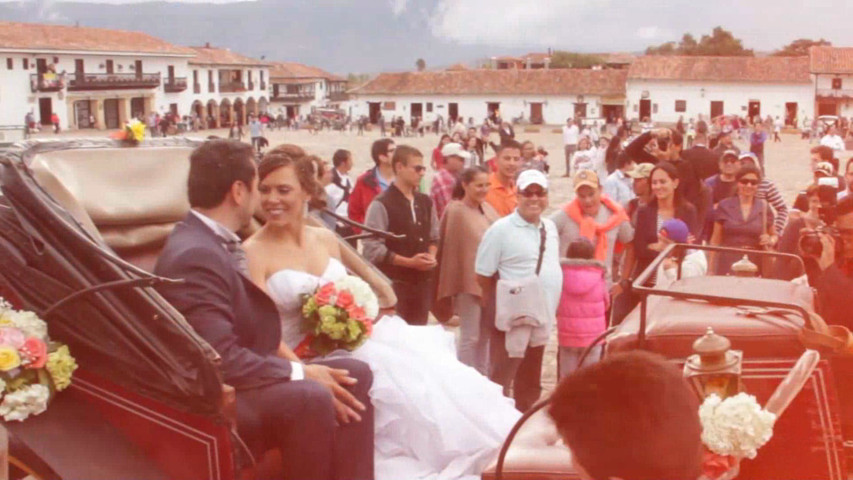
{"x": 436, "y": 418}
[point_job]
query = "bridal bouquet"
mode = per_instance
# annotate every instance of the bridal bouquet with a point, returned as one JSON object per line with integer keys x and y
{"x": 733, "y": 429}
{"x": 338, "y": 315}
{"x": 132, "y": 133}
{"x": 32, "y": 368}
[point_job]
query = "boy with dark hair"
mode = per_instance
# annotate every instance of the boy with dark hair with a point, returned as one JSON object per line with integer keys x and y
{"x": 403, "y": 210}
{"x": 502, "y": 191}
{"x": 631, "y": 416}
{"x": 374, "y": 181}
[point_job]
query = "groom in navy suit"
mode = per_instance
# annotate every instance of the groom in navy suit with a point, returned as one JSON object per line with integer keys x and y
{"x": 319, "y": 415}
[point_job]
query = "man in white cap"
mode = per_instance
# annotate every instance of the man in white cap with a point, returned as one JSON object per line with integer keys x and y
{"x": 441, "y": 192}
{"x": 510, "y": 249}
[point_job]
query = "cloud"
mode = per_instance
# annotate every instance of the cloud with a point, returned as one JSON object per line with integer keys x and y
{"x": 652, "y": 33}
{"x": 398, "y": 6}
{"x": 511, "y": 23}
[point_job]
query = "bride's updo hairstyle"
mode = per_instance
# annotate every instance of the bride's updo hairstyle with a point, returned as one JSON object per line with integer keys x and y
{"x": 305, "y": 172}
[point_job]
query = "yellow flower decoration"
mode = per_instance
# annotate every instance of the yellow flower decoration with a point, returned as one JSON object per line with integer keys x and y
{"x": 136, "y": 129}
{"x": 9, "y": 359}
{"x": 61, "y": 366}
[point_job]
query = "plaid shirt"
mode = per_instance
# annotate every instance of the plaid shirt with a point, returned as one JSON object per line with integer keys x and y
{"x": 441, "y": 191}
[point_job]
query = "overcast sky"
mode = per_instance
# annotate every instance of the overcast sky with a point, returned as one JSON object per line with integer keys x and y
{"x": 580, "y": 25}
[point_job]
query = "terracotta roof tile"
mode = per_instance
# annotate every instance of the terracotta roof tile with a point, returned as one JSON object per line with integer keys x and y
{"x": 34, "y": 36}
{"x": 472, "y": 82}
{"x": 831, "y": 59}
{"x": 721, "y": 69}
{"x": 222, "y": 56}
{"x": 293, "y": 70}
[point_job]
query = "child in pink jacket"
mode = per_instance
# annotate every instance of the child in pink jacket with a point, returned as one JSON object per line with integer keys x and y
{"x": 583, "y": 303}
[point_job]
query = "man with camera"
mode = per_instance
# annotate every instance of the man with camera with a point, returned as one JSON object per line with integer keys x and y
{"x": 833, "y": 278}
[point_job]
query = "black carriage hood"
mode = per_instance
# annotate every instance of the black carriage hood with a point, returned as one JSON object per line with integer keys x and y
{"x": 127, "y": 334}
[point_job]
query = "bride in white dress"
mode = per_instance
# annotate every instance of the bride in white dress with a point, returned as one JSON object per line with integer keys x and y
{"x": 435, "y": 417}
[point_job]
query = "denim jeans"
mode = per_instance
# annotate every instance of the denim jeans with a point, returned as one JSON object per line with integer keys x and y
{"x": 568, "y": 359}
{"x": 473, "y": 349}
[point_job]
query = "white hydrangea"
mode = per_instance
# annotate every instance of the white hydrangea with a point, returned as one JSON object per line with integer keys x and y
{"x": 361, "y": 292}
{"x": 736, "y": 426}
{"x": 20, "y": 404}
{"x": 28, "y": 322}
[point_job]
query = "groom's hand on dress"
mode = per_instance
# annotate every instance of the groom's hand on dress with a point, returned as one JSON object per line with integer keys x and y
{"x": 335, "y": 379}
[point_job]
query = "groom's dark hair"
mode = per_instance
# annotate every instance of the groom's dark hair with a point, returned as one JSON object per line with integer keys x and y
{"x": 632, "y": 416}
{"x": 214, "y": 167}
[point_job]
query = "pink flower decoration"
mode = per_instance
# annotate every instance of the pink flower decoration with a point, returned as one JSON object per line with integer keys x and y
{"x": 324, "y": 294}
{"x": 11, "y": 337}
{"x": 35, "y": 351}
{"x": 344, "y": 300}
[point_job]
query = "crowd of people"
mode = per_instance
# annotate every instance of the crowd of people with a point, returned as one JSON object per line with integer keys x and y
{"x": 476, "y": 249}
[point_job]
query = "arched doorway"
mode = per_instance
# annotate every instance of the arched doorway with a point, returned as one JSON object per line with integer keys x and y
{"x": 239, "y": 111}
{"x": 198, "y": 110}
{"x": 225, "y": 116}
{"x": 251, "y": 106}
{"x": 212, "y": 114}
{"x": 263, "y": 105}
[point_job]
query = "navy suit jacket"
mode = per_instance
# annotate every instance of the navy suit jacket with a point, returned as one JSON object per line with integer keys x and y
{"x": 223, "y": 306}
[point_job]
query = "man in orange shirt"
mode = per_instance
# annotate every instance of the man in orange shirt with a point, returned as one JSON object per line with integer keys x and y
{"x": 502, "y": 191}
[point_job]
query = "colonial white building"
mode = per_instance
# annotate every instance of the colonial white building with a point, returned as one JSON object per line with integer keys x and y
{"x": 832, "y": 71}
{"x": 665, "y": 88}
{"x": 226, "y": 86}
{"x": 540, "y": 96}
{"x": 297, "y": 88}
{"x": 97, "y": 78}
{"x": 89, "y": 77}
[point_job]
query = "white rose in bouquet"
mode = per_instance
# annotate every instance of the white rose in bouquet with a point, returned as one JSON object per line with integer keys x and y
{"x": 362, "y": 294}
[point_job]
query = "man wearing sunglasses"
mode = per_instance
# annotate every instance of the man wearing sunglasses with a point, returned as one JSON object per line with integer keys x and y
{"x": 403, "y": 210}
{"x": 510, "y": 249}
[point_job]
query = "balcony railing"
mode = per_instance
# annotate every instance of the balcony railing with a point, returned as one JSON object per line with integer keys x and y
{"x": 839, "y": 93}
{"x": 338, "y": 96}
{"x": 46, "y": 83}
{"x": 211, "y": 87}
{"x": 196, "y": 88}
{"x": 175, "y": 84}
{"x": 112, "y": 81}
{"x": 263, "y": 86}
{"x": 251, "y": 85}
{"x": 294, "y": 97}
{"x": 232, "y": 87}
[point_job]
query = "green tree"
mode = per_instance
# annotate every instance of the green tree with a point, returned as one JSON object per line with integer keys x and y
{"x": 719, "y": 43}
{"x": 800, "y": 47}
{"x": 421, "y": 64}
{"x": 563, "y": 59}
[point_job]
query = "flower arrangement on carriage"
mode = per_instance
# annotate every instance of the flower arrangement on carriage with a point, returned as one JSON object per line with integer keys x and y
{"x": 132, "y": 133}
{"x": 338, "y": 315}
{"x": 32, "y": 367}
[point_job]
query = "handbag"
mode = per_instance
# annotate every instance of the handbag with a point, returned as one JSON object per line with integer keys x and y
{"x": 522, "y": 301}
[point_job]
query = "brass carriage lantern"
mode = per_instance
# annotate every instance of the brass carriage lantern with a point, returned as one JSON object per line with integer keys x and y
{"x": 714, "y": 367}
{"x": 744, "y": 268}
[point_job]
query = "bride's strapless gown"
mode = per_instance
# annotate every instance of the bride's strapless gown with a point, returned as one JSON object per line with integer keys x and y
{"x": 436, "y": 418}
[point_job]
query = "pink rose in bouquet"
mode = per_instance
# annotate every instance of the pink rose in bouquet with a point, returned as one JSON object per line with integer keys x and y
{"x": 12, "y": 337}
{"x": 35, "y": 351}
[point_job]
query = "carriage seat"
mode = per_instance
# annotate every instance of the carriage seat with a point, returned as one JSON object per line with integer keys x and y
{"x": 536, "y": 453}
{"x": 129, "y": 198}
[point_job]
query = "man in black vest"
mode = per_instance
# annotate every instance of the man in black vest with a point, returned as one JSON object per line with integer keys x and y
{"x": 409, "y": 261}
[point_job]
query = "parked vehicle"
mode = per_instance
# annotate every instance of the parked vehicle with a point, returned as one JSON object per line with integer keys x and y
{"x": 81, "y": 225}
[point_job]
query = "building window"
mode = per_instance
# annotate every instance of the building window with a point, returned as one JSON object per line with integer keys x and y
{"x": 429, "y": 107}
{"x": 26, "y": 63}
{"x": 55, "y": 59}
{"x": 836, "y": 84}
{"x": 681, "y": 106}
{"x": 9, "y": 63}
{"x": 389, "y": 105}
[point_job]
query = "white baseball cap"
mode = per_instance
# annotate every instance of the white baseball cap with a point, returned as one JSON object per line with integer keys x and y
{"x": 455, "y": 150}
{"x": 531, "y": 177}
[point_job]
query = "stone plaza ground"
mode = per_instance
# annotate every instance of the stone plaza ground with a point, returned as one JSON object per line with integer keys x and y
{"x": 787, "y": 164}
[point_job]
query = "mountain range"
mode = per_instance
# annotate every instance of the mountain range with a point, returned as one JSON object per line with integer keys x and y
{"x": 342, "y": 37}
